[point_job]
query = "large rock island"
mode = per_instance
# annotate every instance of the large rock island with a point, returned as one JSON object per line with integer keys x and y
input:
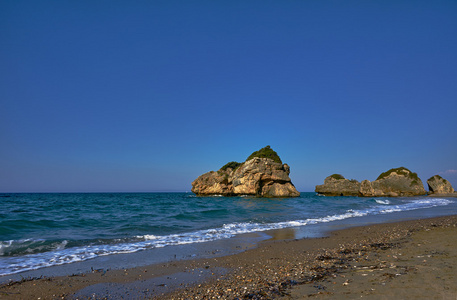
{"x": 262, "y": 175}
{"x": 393, "y": 183}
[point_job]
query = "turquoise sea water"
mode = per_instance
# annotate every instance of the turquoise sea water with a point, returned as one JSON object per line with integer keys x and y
{"x": 42, "y": 230}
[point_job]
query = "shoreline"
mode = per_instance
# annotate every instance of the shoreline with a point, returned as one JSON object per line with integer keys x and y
{"x": 229, "y": 246}
{"x": 199, "y": 241}
{"x": 279, "y": 267}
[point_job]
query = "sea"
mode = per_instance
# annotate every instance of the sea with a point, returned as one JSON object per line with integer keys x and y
{"x": 45, "y": 230}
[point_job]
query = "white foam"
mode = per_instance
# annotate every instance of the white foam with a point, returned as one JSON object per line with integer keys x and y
{"x": 380, "y": 201}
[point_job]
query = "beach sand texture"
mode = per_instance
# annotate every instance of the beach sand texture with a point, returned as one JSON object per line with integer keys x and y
{"x": 405, "y": 260}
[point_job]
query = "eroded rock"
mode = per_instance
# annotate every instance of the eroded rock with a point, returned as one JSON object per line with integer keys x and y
{"x": 261, "y": 175}
{"x": 337, "y": 185}
{"x": 439, "y": 185}
{"x": 398, "y": 182}
{"x": 393, "y": 183}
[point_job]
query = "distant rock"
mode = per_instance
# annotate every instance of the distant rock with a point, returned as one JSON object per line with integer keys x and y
{"x": 337, "y": 185}
{"x": 397, "y": 182}
{"x": 439, "y": 185}
{"x": 393, "y": 183}
{"x": 261, "y": 175}
{"x": 366, "y": 189}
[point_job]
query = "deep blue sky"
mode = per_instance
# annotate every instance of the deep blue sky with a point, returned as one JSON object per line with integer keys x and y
{"x": 147, "y": 95}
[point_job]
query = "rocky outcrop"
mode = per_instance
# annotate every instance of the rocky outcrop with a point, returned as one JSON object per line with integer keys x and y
{"x": 366, "y": 189}
{"x": 261, "y": 175}
{"x": 213, "y": 183}
{"x": 439, "y": 185}
{"x": 397, "y": 182}
{"x": 337, "y": 185}
{"x": 393, "y": 183}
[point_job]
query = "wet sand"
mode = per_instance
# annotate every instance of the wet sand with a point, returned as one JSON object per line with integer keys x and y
{"x": 404, "y": 260}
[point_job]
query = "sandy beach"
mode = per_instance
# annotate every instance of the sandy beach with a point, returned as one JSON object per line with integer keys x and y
{"x": 408, "y": 260}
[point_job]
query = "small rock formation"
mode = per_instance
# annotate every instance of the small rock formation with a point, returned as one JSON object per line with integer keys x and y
{"x": 393, "y": 183}
{"x": 439, "y": 185}
{"x": 261, "y": 175}
{"x": 397, "y": 182}
{"x": 366, "y": 189}
{"x": 337, "y": 185}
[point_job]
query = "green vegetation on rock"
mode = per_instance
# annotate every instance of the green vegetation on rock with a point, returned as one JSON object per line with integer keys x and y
{"x": 337, "y": 176}
{"x": 233, "y": 165}
{"x": 266, "y": 152}
{"x": 400, "y": 171}
{"x": 438, "y": 177}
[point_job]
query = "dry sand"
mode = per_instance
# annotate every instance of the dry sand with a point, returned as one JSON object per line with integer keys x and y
{"x": 405, "y": 260}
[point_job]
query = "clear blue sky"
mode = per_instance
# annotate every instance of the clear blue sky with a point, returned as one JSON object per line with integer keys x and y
{"x": 141, "y": 96}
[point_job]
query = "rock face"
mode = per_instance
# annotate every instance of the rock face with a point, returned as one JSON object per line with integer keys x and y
{"x": 261, "y": 175}
{"x": 397, "y": 182}
{"x": 337, "y": 185}
{"x": 439, "y": 185}
{"x": 366, "y": 189}
{"x": 393, "y": 183}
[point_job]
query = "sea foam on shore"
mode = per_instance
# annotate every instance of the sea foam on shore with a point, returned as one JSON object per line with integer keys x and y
{"x": 69, "y": 228}
{"x": 383, "y": 260}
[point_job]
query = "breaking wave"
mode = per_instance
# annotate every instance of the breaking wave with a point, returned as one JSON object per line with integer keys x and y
{"x": 29, "y": 254}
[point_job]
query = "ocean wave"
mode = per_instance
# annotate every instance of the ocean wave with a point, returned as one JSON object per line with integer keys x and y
{"x": 382, "y": 201}
{"x": 43, "y": 253}
{"x": 29, "y": 246}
